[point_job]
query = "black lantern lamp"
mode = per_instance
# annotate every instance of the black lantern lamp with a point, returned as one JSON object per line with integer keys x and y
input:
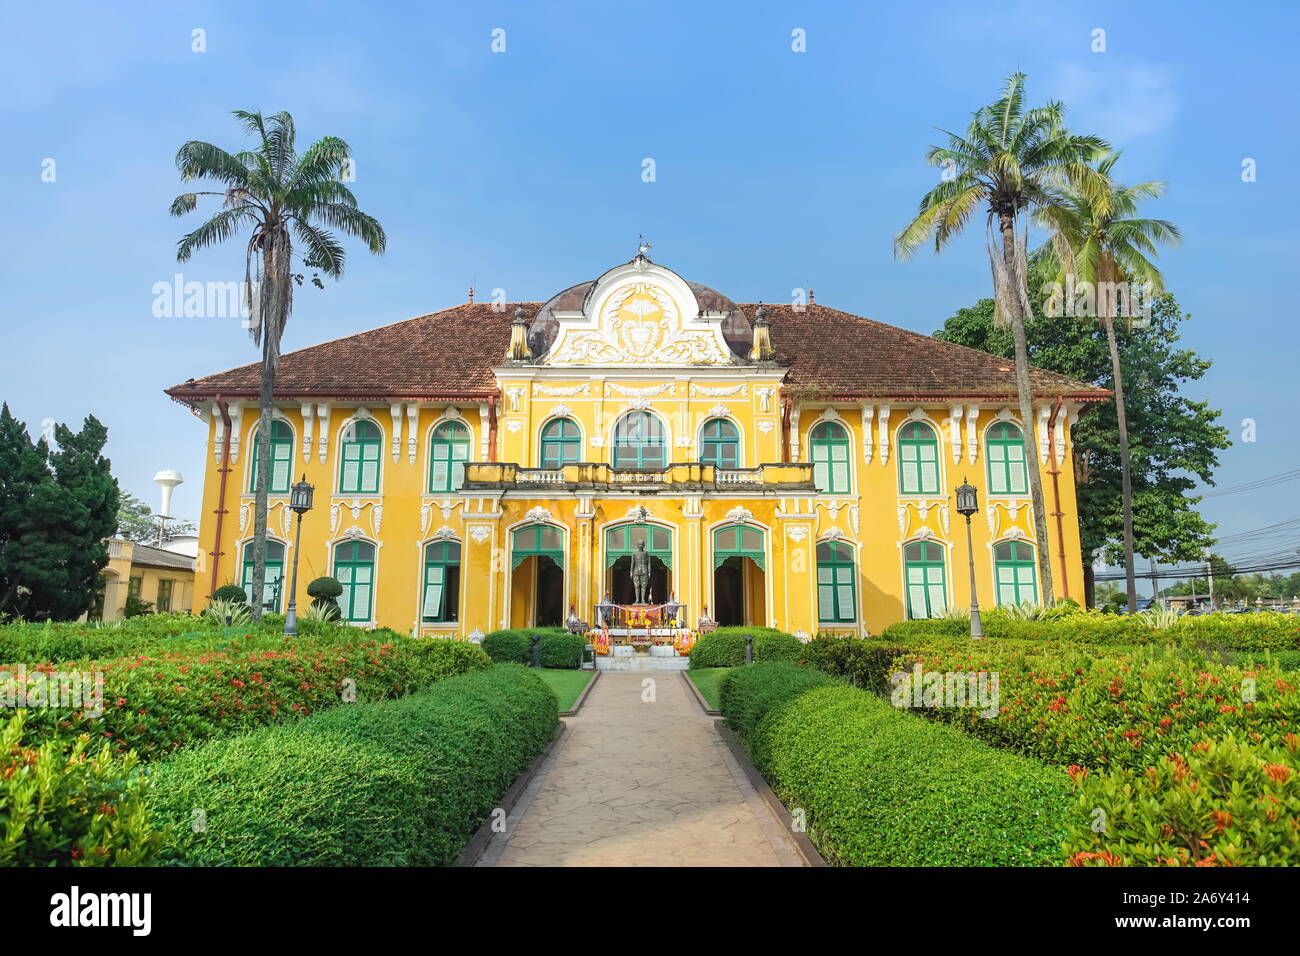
{"x": 300, "y": 496}
{"x": 967, "y": 505}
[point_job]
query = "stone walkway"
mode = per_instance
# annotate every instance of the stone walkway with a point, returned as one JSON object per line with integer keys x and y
{"x": 641, "y": 784}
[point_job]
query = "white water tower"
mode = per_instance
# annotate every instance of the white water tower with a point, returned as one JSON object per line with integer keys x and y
{"x": 167, "y": 479}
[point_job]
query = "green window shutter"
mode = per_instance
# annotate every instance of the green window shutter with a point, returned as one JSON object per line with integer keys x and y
{"x": 359, "y": 469}
{"x": 830, "y": 457}
{"x": 1007, "y": 463}
{"x": 918, "y": 460}
{"x": 836, "y": 584}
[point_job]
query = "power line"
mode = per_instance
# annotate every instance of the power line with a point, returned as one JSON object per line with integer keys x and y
{"x": 1254, "y": 485}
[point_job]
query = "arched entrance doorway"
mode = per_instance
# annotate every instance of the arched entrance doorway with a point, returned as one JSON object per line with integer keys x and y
{"x": 620, "y": 542}
{"x": 537, "y": 576}
{"x": 739, "y": 565}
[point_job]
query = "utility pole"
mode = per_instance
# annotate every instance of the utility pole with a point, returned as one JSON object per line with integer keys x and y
{"x": 1209, "y": 576}
{"x": 1155, "y": 586}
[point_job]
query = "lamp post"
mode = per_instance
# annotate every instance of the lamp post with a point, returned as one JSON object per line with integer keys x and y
{"x": 300, "y": 501}
{"x": 967, "y": 505}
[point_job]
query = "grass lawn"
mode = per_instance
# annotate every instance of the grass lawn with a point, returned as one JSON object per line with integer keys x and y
{"x": 566, "y": 684}
{"x": 708, "y": 680}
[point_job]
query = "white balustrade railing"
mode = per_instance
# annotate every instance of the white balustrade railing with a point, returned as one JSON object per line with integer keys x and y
{"x": 747, "y": 477}
{"x": 540, "y": 476}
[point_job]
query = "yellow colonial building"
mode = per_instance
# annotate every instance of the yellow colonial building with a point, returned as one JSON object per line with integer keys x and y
{"x": 497, "y": 465}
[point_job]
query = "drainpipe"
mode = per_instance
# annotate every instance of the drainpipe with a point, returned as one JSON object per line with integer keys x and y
{"x": 1055, "y": 471}
{"x": 492, "y": 428}
{"x": 221, "y": 495}
{"x": 786, "y": 403}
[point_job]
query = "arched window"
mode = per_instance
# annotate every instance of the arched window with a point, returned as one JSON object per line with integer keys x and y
{"x": 918, "y": 460}
{"x": 927, "y": 591}
{"x": 830, "y": 456}
{"x": 538, "y": 540}
{"x": 359, "y": 473}
{"x": 272, "y": 583}
{"x": 738, "y": 541}
{"x": 836, "y": 584}
{"x": 354, "y": 568}
{"x": 639, "y": 442}
{"x": 1017, "y": 574}
{"x": 441, "y": 603}
{"x": 1006, "y": 457}
{"x": 720, "y": 443}
{"x": 448, "y": 455}
{"x": 561, "y": 442}
{"x": 281, "y": 458}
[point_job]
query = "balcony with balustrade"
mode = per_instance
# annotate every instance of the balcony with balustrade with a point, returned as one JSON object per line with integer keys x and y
{"x": 684, "y": 476}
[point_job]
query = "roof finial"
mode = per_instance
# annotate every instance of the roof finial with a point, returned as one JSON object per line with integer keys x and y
{"x": 812, "y": 299}
{"x": 643, "y": 246}
{"x": 471, "y": 295}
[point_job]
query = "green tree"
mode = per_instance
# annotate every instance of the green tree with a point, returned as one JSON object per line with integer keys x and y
{"x": 1011, "y": 161}
{"x": 278, "y": 195}
{"x": 1100, "y": 248}
{"x": 136, "y": 521}
{"x": 1173, "y": 440}
{"x": 56, "y": 508}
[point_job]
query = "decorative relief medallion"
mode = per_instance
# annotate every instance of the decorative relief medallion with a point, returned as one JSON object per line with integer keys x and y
{"x": 796, "y": 533}
{"x": 739, "y": 515}
{"x": 480, "y": 533}
{"x": 641, "y": 324}
{"x": 538, "y": 514}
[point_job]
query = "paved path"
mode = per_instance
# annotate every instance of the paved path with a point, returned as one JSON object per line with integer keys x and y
{"x": 641, "y": 784}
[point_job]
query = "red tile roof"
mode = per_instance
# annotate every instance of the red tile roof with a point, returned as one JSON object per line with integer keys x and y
{"x": 451, "y": 354}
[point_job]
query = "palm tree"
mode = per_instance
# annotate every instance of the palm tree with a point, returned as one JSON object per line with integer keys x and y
{"x": 1103, "y": 243}
{"x": 1011, "y": 160}
{"x": 279, "y": 195}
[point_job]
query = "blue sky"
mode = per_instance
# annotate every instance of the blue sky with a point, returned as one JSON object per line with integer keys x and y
{"x": 522, "y": 170}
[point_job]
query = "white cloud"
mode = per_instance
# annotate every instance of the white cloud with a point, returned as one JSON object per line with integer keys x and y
{"x": 1118, "y": 102}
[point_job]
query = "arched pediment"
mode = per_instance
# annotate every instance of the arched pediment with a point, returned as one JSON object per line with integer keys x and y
{"x": 640, "y": 314}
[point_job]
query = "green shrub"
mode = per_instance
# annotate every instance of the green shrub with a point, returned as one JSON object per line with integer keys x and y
{"x": 135, "y": 607}
{"x": 881, "y": 787}
{"x": 65, "y": 805}
{"x": 559, "y": 648}
{"x": 398, "y": 783}
{"x": 1244, "y": 632}
{"x": 1066, "y": 704}
{"x": 230, "y": 592}
{"x": 1225, "y": 802}
{"x": 327, "y": 588}
{"x": 156, "y": 704}
{"x": 747, "y": 699}
{"x": 725, "y": 647}
{"x": 864, "y": 663}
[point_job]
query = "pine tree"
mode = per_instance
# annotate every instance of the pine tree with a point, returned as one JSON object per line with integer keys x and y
{"x": 56, "y": 509}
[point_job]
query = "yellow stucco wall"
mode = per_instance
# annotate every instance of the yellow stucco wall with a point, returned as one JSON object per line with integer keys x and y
{"x": 121, "y": 568}
{"x": 873, "y": 519}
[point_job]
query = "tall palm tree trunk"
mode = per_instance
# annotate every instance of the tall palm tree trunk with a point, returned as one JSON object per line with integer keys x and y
{"x": 263, "y": 478}
{"x": 1126, "y": 481}
{"x": 1025, "y": 396}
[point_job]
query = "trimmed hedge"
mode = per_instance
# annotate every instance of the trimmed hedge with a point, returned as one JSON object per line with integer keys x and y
{"x": 64, "y": 804}
{"x": 156, "y": 704}
{"x": 397, "y": 783}
{"x": 1242, "y": 632}
{"x": 725, "y": 647}
{"x": 1226, "y": 803}
{"x": 174, "y": 633}
{"x": 881, "y": 787}
{"x": 1127, "y": 708}
{"x": 559, "y": 648}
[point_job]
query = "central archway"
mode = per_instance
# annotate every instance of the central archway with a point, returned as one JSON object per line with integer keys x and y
{"x": 537, "y": 576}
{"x": 620, "y": 541}
{"x": 739, "y": 573}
